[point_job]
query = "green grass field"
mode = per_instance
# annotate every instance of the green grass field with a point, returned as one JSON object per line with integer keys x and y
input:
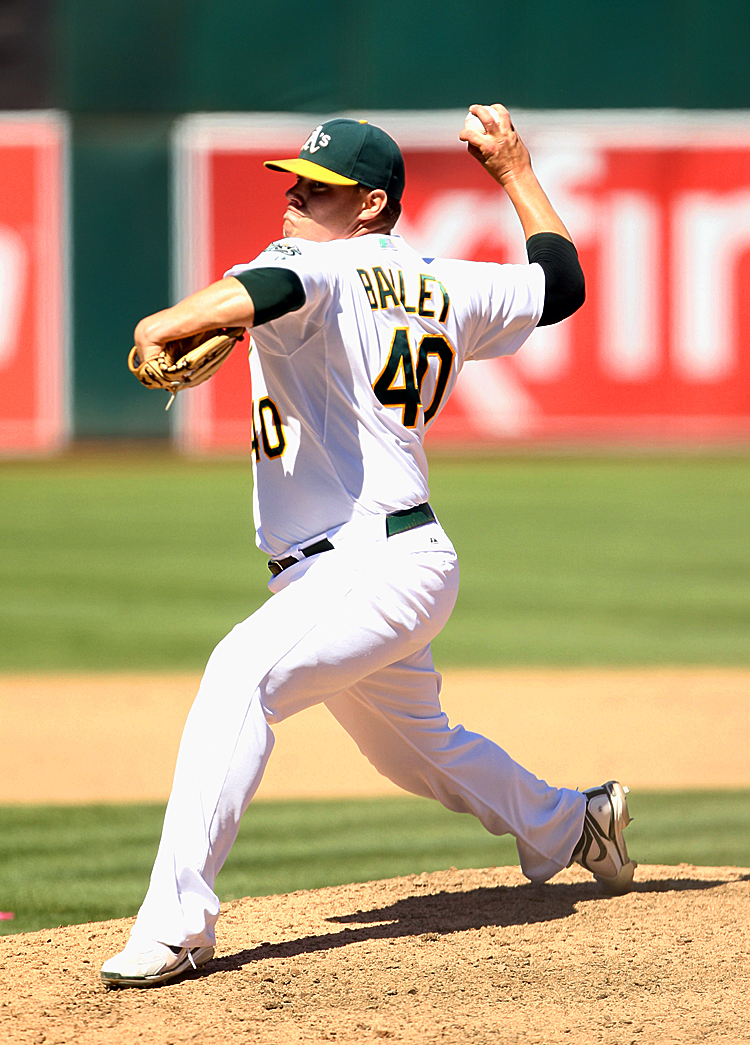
{"x": 64, "y": 866}
{"x": 566, "y": 561}
{"x": 143, "y": 562}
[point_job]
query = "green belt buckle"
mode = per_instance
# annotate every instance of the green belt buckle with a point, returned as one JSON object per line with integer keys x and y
{"x": 408, "y": 519}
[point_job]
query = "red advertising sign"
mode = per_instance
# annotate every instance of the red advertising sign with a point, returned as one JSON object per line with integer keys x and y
{"x": 657, "y": 203}
{"x": 33, "y": 371}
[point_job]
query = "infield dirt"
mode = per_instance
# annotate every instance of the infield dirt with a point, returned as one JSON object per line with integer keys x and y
{"x": 99, "y": 738}
{"x": 448, "y": 958}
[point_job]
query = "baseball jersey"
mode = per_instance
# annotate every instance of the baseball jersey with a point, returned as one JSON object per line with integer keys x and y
{"x": 345, "y": 387}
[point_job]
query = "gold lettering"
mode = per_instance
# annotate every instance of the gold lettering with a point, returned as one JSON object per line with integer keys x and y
{"x": 446, "y": 304}
{"x": 402, "y": 293}
{"x": 425, "y": 295}
{"x": 385, "y": 288}
{"x": 369, "y": 290}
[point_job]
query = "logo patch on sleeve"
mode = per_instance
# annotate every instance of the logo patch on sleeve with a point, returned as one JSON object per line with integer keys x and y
{"x": 283, "y": 248}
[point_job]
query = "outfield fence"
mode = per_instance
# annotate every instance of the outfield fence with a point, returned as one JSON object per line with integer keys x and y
{"x": 658, "y": 203}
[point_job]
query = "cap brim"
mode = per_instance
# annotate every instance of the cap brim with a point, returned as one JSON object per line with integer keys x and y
{"x": 307, "y": 169}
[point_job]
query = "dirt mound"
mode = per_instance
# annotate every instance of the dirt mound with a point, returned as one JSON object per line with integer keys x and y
{"x": 450, "y": 958}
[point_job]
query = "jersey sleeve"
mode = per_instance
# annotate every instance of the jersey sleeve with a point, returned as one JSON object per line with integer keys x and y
{"x": 505, "y": 303}
{"x": 298, "y": 258}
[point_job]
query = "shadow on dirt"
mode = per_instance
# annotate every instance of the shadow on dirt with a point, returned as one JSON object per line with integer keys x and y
{"x": 449, "y": 912}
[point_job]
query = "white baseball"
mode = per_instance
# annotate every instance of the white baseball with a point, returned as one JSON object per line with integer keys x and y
{"x": 473, "y": 123}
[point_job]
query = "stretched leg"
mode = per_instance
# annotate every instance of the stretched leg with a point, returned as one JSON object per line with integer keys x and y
{"x": 224, "y": 749}
{"x": 337, "y": 618}
{"x": 394, "y": 716}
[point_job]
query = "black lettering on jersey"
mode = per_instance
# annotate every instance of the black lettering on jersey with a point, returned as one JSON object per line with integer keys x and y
{"x": 446, "y": 304}
{"x": 438, "y": 346}
{"x": 380, "y": 287}
{"x": 271, "y": 428}
{"x": 425, "y": 295}
{"x": 402, "y": 293}
{"x": 254, "y": 445}
{"x": 367, "y": 284}
{"x": 396, "y": 385}
{"x": 386, "y": 289}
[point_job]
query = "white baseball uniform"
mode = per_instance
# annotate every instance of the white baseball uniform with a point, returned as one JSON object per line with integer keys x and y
{"x": 344, "y": 389}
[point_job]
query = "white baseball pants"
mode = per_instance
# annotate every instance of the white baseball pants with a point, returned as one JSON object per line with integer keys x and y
{"x": 351, "y": 628}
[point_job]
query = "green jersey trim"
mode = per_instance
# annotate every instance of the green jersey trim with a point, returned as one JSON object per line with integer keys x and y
{"x": 275, "y": 291}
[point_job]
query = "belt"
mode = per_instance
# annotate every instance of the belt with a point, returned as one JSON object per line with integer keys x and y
{"x": 408, "y": 519}
{"x": 277, "y": 566}
{"x": 396, "y": 522}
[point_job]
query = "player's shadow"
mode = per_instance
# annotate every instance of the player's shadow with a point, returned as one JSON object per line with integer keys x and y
{"x": 436, "y": 914}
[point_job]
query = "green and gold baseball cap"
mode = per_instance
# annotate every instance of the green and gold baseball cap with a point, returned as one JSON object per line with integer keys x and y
{"x": 349, "y": 152}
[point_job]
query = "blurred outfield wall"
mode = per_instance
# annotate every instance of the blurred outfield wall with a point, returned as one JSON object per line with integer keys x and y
{"x": 124, "y": 71}
{"x": 657, "y": 203}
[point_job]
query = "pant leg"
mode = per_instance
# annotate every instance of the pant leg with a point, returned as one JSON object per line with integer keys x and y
{"x": 395, "y": 718}
{"x": 225, "y": 745}
{"x": 333, "y": 619}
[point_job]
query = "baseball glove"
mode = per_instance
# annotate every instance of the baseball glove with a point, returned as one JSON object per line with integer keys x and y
{"x": 186, "y": 362}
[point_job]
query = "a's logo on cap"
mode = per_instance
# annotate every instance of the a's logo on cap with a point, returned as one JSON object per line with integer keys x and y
{"x": 316, "y": 140}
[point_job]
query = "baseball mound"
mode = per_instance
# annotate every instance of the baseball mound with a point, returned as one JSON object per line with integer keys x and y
{"x": 451, "y": 957}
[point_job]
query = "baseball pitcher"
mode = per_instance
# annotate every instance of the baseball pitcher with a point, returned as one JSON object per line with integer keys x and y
{"x": 357, "y": 341}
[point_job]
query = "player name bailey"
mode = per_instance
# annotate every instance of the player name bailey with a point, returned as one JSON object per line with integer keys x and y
{"x": 384, "y": 290}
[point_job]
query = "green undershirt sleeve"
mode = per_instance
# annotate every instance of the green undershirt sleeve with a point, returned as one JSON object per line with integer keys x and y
{"x": 275, "y": 291}
{"x": 565, "y": 286}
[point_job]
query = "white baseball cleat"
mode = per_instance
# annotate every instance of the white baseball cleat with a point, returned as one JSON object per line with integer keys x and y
{"x": 601, "y": 848}
{"x": 146, "y": 962}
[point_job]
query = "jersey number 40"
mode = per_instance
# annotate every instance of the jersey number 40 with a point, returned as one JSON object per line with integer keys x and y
{"x": 270, "y": 427}
{"x": 399, "y": 385}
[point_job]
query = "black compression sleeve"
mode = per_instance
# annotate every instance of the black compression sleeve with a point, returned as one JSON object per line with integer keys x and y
{"x": 275, "y": 291}
{"x": 565, "y": 288}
